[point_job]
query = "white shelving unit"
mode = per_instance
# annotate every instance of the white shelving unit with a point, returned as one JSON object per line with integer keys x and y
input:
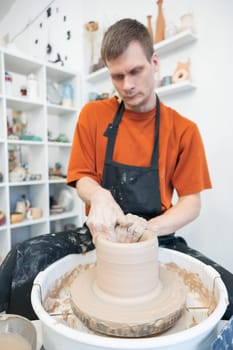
{"x": 39, "y": 155}
{"x": 101, "y": 80}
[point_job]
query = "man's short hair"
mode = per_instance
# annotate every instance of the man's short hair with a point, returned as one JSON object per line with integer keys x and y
{"x": 119, "y": 35}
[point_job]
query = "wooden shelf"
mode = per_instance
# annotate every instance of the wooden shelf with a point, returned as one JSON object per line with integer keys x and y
{"x": 22, "y": 104}
{"x": 62, "y": 216}
{"x": 168, "y": 45}
{"x": 58, "y": 74}
{"x": 25, "y": 143}
{"x": 61, "y": 181}
{"x": 26, "y": 183}
{"x": 60, "y": 110}
{"x": 59, "y": 144}
{"x": 18, "y": 63}
{"x": 99, "y": 75}
{"x": 175, "y": 88}
{"x": 28, "y": 222}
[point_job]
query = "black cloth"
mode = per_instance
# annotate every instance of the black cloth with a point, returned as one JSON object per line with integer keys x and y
{"x": 179, "y": 244}
{"x": 135, "y": 189}
{"x": 27, "y": 259}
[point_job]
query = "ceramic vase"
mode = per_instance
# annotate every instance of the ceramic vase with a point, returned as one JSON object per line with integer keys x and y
{"x": 149, "y": 27}
{"x": 160, "y": 23}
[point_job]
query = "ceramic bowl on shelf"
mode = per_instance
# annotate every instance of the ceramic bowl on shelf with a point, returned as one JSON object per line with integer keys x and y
{"x": 56, "y": 209}
{"x": 16, "y": 332}
{"x": 17, "y": 217}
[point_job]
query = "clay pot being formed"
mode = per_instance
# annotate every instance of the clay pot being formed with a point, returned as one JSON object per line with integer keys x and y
{"x": 127, "y": 293}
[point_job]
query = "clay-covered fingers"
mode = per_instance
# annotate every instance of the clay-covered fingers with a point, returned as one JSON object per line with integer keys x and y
{"x": 96, "y": 230}
{"x": 121, "y": 233}
{"x": 132, "y": 229}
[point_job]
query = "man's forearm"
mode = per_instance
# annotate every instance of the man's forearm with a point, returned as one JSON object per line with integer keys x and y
{"x": 86, "y": 188}
{"x": 183, "y": 212}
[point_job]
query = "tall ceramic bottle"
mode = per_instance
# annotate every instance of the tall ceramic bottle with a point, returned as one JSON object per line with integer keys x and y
{"x": 149, "y": 27}
{"x": 160, "y": 23}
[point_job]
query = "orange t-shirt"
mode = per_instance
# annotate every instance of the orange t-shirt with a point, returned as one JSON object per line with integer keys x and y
{"x": 182, "y": 161}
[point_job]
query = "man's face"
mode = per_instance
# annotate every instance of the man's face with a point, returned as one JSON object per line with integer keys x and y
{"x": 133, "y": 77}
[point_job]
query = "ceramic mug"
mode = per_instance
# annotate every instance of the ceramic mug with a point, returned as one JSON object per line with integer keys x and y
{"x": 35, "y": 213}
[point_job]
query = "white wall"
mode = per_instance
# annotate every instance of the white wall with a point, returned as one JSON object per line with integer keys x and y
{"x": 53, "y": 30}
{"x": 210, "y": 106}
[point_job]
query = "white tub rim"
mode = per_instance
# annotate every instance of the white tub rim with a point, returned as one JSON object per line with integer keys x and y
{"x": 137, "y": 343}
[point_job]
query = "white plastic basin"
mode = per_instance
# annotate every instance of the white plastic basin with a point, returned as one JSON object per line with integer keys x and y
{"x": 58, "y": 336}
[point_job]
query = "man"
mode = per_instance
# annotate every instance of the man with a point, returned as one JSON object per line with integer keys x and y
{"x": 179, "y": 159}
{"x": 130, "y": 154}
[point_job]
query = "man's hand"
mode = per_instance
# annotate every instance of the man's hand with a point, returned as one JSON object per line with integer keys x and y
{"x": 105, "y": 214}
{"x": 132, "y": 229}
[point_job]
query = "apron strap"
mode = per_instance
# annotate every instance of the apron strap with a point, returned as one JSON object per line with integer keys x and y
{"x": 111, "y": 133}
{"x": 155, "y": 155}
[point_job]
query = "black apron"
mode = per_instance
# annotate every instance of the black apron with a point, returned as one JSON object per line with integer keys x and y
{"x": 135, "y": 189}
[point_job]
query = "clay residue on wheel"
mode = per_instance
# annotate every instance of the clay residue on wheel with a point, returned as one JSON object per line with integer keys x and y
{"x": 195, "y": 285}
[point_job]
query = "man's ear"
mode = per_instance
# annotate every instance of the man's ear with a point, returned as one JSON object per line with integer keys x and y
{"x": 155, "y": 62}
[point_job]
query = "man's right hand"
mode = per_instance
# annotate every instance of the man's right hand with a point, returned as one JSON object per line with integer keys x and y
{"x": 104, "y": 215}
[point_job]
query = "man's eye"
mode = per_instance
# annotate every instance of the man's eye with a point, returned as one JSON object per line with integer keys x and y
{"x": 118, "y": 77}
{"x": 135, "y": 71}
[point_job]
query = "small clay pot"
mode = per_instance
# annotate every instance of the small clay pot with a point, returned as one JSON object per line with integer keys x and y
{"x": 36, "y": 213}
{"x": 17, "y": 217}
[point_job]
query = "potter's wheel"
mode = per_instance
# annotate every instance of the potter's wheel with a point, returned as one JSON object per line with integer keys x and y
{"x": 128, "y": 319}
{"x": 127, "y": 293}
{"x": 62, "y": 330}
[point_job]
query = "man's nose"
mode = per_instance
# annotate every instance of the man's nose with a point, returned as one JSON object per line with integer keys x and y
{"x": 128, "y": 83}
